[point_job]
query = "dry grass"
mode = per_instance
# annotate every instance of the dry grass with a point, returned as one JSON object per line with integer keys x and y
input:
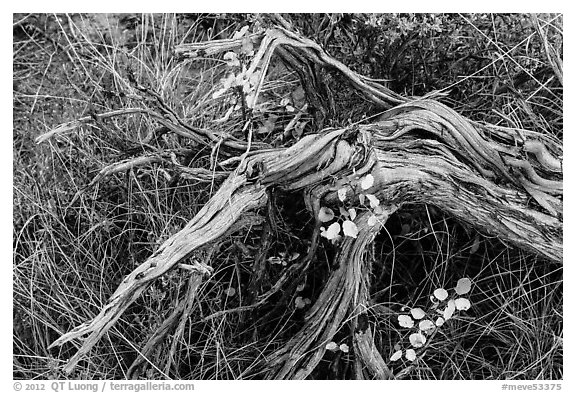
{"x": 72, "y": 244}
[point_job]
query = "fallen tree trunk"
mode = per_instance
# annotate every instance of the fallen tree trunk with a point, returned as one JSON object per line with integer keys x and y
{"x": 502, "y": 182}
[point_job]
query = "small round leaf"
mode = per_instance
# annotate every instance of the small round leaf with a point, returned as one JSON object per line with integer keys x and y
{"x": 441, "y": 294}
{"x": 417, "y": 313}
{"x": 417, "y": 340}
{"x": 426, "y": 325}
{"x": 332, "y": 232}
{"x": 372, "y": 220}
{"x": 352, "y": 212}
{"x": 475, "y": 245}
{"x": 299, "y": 302}
{"x": 326, "y": 214}
{"x": 411, "y": 355}
{"x": 462, "y": 304}
{"x": 332, "y": 346}
{"x": 463, "y": 286}
{"x": 367, "y": 182}
{"x": 350, "y": 229}
{"x": 396, "y": 355}
{"x": 374, "y": 202}
{"x": 239, "y": 34}
{"x": 405, "y": 321}
{"x": 449, "y": 310}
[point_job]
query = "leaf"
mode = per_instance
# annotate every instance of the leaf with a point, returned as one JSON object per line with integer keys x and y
{"x": 411, "y": 354}
{"x": 299, "y": 302}
{"x": 475, "y": 245}
{"x": 343, "y": 212}
{"x": 301, "y": 287}
{"x": 298, "y": 129}
{"x": 367, "y": 182}
{"x": 231, "y": 59}
{"x": 342, "y": 194}
{"x": 372, "y": 220}
{"x": 373, "y": 200}
{"x": 230, "y": 291}
{"x": 441, "y": 294}
{"x": 332, "y": 346}
{"x": 247, "y": 46}
{"x": 463, "y": 286}
{"x": 240, "y": 33}
{"x": 449, "y": 310}
{"x": 417, "y": 340}
{"x": 417, "y": 313}
{"x": 344, "y": 348}
{"x": 250, "y": 100}
{"x": 426, "y": 325}
{"x": 230, "y": 55}
{"x": 247, "y": 87}
{"x": 405, "y": 321}
{"x": 299, "y": 97}
{"x": 352, "y": 212}
{"x": 239, "y": 79}
{"x": 350, "y": 229}
{"x": 405, "y": 229}
{"x": 254, "y": 78}
{"x": 440, "y": 321}
{"x": 275, "y": 260}
{"x": 396, "y": 355}
{"x": 228, "y": 81}
{"x": 332, "y": 232}
{"x": 462, "y": 304}
{"x": 326, "y": 214}
{"x": 361, "y": 197}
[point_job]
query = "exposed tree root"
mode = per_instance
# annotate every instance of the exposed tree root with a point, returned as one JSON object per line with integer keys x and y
{"x": 506, "y": 183}
{"x": 368, "y": 361}
{"x": 298, "y": 358}
{"x": 369, "y": 357}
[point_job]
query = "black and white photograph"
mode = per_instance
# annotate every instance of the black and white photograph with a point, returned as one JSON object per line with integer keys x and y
{"x": 286, "y": 196}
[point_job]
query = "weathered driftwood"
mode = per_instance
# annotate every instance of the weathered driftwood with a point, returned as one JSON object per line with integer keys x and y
{"x": 502, "y": 182}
